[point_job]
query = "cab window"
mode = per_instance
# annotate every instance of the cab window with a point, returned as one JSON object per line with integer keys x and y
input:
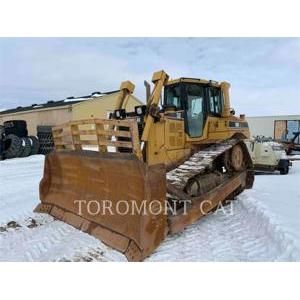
{"x": 215, "y": 101}
{"x": 172, "y": 97}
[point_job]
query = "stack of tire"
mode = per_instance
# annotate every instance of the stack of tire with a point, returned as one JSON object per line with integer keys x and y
{"x": 45, "y": 137}
{"x": 16, "y": 142}
{"x": 1, "y": 142}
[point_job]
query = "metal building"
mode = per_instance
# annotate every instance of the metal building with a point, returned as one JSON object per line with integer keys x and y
{"x": 52, "y": 113}
{"x": 101, "y": 106}
{"x": 278, "y": 127}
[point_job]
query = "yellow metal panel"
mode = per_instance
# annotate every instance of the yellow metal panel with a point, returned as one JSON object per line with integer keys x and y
{"x": 174, "y": 133}
{"x": 156, "y": 144}
{"x": 166, "y": 143}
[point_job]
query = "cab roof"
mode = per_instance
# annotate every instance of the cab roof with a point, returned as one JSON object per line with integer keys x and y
{"x": 193, "y": 80}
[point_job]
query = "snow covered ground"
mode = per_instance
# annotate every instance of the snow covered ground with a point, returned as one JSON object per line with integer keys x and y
{"x": 263, "y": 225}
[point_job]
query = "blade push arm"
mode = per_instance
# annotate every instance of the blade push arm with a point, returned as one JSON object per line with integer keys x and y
{"x": 159, "y": 79}
{"x": 126, "y": 89}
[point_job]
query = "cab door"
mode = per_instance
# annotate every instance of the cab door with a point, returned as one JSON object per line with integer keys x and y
{"x": 195, "y": 115}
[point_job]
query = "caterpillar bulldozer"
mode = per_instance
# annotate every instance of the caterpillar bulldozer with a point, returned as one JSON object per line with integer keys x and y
{"x": 173, "y": 160}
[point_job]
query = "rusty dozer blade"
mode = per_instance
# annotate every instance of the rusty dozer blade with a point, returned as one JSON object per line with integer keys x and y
{"x": 91, "y": 191}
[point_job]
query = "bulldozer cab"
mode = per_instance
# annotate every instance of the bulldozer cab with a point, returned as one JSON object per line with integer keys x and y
{"x": 197, "y": 101}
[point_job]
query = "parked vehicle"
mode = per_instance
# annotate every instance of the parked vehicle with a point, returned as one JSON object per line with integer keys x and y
{"x": 268, "y": 156}
{"x": 291, "y": 145}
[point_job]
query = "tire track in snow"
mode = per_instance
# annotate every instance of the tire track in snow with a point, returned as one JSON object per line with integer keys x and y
{"x": 19, "y": 184}
{"x": 53, "y": 241}
{"x": 246, "y": 235}
{"x": 249, "y": 234}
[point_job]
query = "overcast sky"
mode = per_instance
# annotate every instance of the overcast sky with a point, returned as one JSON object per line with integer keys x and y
{"x": 264, "y": 72}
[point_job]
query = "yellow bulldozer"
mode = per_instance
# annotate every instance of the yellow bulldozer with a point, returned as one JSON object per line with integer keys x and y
{"x": 155, "y": 170}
